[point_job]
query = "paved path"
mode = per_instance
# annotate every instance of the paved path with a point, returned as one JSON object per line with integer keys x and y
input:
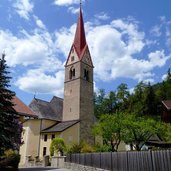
{"x": 42, "y": 169}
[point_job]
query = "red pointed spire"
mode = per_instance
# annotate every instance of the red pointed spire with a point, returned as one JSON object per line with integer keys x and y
{"x": 80, "y": 38}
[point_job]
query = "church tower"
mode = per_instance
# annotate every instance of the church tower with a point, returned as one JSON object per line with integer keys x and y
{"x": 78, "y": 85}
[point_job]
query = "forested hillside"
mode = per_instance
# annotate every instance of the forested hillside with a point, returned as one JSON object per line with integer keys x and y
{"x": 145, "y": 99}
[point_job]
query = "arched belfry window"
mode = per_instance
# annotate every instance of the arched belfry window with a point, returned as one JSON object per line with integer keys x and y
{"x": 86, "y": 74}
{"x": 72, "y": 73}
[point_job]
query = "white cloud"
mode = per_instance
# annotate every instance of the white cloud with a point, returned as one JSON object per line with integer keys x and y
{"x": 158, "y": 58}
{"x": 64, "y": 39}
{"x": 168, "y": 35}
{"x": 115, "y": 50}
{"x": 102, "y": 16}
{"x": 41, "y": 83}
{"x": 23, "y": 8}
{"x": 96, "y": 89}
{"x": 163, "y": 29}
{"x": 66, "y": 2}
{"x": 130, "y": 35}
{"x": 164, "y": 77}
{"x": 156, "y": 31}
{"x": 38, "y": 52}
{"x": 73, "y": 10}
{"x": 26, "y": 49}
{"x": 39, "y": 23}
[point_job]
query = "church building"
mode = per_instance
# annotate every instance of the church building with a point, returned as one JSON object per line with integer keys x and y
{"x": 70, "y": 118}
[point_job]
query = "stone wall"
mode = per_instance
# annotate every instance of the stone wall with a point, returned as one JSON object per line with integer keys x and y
{"x": 58, "y": 161}
{"x": 78, "y": 167}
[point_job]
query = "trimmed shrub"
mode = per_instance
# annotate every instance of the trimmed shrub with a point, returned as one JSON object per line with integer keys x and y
{"x": 83, "y": 147}
{"x": 87, "y": 148}
{"x": 102, "y": 148}
{"x": 57, "y": 145}
{"x": 75, "y": 148}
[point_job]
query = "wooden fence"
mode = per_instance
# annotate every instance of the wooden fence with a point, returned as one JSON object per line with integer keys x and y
{"x": 125, "y": 161}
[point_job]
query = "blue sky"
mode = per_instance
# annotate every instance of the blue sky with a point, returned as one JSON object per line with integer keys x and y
{"x": 129, "y": 42}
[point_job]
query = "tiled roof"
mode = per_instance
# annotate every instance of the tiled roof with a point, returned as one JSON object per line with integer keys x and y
{"x": 21, "y": 108}
{"x": 80, "y": 38}
{"x": 48, "y": 110}
{"x": 167, "y": 104}
{"x": 59, "y": 127}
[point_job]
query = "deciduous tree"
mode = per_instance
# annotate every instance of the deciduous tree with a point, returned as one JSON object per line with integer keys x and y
{"x": 137, "y": 130}
{"x": 122, "y": 97}
{"x": 109, "y": 128}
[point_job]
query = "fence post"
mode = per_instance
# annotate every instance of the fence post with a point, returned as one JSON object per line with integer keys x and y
{"x": 127, "y": 160}
{"x": 111, "y": 162}
{"x": 91, "y": 159}
{"x": 78, "y": 158}
{"x": 100, "y": 160}
{"x": 152, "y": 162}
{"x": 84, "y": 159}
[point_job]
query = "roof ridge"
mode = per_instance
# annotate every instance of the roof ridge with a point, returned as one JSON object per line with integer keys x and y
{"x": 76, "y": 120}
{"x": 50, "y": 126}
{"x": 165, "y": 103}
{"x": 21, "y": 107}
{"x": 41, "y": 100}
{"x": 57, "y": 98}
{"x": 61, "y": 126}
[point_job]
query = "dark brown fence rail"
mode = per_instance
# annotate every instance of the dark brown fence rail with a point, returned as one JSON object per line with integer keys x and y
{"x": 125, "y": 161}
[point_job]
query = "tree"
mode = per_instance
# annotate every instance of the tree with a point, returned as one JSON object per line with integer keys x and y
{"x": 122, "y": 97}
{"x": 105, "y": 103}
{"x": 150, "y": 101}
{"x": 163, "y": 90}
{"x": 166, "y": 135}
{"x": 168, "y": 78}
{"x": 110, "y": 103}
{"x": 137, "y": 130}
{"x": 57, "y": 145}
{"x": 10, "y": 129}
{"x": 136, "y": 100}
{"x": 99, "y": 102}
{"x": 109, "y": 127}
{"x": 133, "y": 130}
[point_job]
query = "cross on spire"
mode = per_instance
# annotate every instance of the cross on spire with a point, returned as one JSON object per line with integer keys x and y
{"x": 81, "y": 2}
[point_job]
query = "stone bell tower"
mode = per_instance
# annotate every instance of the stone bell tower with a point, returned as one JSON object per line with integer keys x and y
{"x": 78, "y": 85}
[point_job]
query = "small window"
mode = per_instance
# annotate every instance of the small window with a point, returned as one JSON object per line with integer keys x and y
{"x": 72, "y": 73}
{"x": 53, "y": 136}
{"x": 72, "y": 58}
{"x": 86, "y": 74}
{"x": 45, "y": 137}
{"x": 44, "y": 151}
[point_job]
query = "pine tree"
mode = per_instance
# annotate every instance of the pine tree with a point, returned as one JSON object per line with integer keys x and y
{"x": 136, "y": 101}
{"x": 150, "y": 101}
{"x": 10, "y": 129}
